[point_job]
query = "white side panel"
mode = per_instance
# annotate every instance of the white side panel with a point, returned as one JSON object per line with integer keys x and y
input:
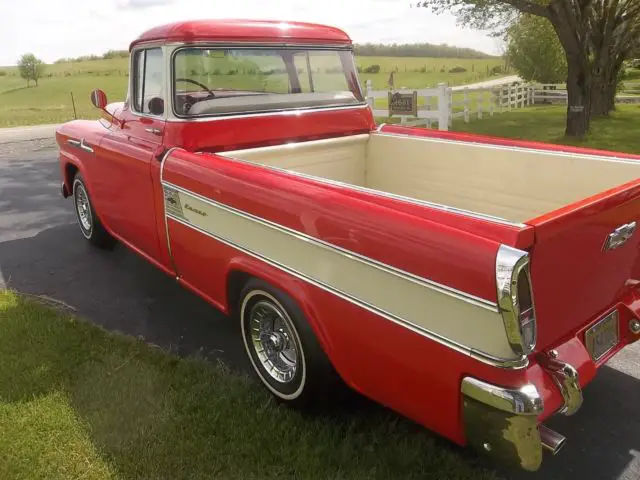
{"x": 405, "y": 300}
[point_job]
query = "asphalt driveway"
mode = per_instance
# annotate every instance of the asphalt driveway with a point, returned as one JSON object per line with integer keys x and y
{"x": 42, "y": 253}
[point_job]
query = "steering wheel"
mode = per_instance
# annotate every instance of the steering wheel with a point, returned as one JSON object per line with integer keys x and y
{"x": 195, "y": 82}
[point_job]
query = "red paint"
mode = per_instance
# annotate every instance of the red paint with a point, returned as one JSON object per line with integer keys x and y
{"x": 574, "y": 282}
{"x": 255, "y": 31}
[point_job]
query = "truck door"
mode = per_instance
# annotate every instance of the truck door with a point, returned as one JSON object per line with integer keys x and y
{"x": 128, "y": 153}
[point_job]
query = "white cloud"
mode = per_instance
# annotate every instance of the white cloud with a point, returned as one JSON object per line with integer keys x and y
{"x": 69, "y": 28}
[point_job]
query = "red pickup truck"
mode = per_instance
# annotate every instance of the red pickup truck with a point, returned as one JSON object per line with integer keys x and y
{"x": 473, "y": 284}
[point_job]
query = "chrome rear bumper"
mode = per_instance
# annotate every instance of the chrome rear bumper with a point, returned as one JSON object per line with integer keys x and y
{"x": 503, "y": 422}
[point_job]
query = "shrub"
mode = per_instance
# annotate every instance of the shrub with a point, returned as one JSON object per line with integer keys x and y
{"x": 457, "y": 69}
{"x": 2, "y": 73}
{"x": 375, "y": 68}
{"x": 497, "y": 70}
{"x": 359, "y": 68}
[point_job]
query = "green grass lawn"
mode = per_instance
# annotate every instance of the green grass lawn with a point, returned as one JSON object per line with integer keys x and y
{"x": 50, "y": 102}
{"x": 78, "y": 402}
{"x": 620, "y": 132}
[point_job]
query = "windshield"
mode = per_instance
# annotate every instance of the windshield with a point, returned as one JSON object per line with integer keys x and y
{"x": 218, "y": 81}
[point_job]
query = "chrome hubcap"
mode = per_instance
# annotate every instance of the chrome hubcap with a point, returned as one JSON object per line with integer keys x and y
{"x": 83, "y": 207}
{"x": 273, "y": 341}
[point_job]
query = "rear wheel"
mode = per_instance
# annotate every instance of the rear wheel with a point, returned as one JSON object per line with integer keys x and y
{"x": 282, "y": 348}
{"x": 88, "y": 221}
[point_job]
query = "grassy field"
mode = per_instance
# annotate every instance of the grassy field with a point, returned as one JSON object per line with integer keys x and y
{"x": 78, "y": 402}
{"x": 51, "y": 102}
{"x": 547, "y": 123}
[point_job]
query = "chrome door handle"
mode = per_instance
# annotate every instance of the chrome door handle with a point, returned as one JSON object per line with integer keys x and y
{"x": 155, "y": 131}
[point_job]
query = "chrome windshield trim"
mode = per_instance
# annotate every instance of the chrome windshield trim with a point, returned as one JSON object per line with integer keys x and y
{"x": 424, "y": 282}
{"x": 514, "y": 364}
{"x": 380, "y": 193}
{"x": 525, "y": 400}
{"x": 262, "y": 45}
{"x": 249, "y": 46}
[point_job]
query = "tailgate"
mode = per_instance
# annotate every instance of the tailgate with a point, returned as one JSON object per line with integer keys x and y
{"x": 585, "y": 259}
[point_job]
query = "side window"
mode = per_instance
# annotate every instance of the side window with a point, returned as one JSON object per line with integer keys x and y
{"x": 148, "y": 88}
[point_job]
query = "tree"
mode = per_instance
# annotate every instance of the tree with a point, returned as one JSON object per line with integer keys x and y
{"x": 615, "y": 30}
{"x": 534, "y": 50}
{"x": 590, "y": 57}
{"x": 30, "y": 67}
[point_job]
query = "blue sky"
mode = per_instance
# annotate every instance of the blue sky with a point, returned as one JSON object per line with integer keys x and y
{"x": 62, "y": 28}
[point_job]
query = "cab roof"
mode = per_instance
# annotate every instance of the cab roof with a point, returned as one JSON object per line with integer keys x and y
{"x": 244, "y": 31}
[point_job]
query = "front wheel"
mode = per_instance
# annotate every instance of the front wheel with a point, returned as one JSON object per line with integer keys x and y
{"x": 88, "y": 221}
{"x": 282, "y": 347}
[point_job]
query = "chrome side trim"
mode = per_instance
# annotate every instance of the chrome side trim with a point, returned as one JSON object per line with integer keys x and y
{"x": 164, "y": 208}
{"x": 525, "y": 400}
{"x": 380, "y": 193}
{"x": 424, "y": 282}
{"x": 491, "y": 146}
{"x": 503, "y": 422}
{"x": 567, "y": 379}
{"x": 515, "y": 364}
{"x": 510, "y": 263}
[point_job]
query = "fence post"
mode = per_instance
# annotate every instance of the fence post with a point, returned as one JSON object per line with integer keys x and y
{"x": 492, "y": 100}
{"x": 523, "y": 95}
{"x": 480, "y": 102}
{"x": 444, "y": 107}
{"x": 509, "y": 95}
{"x": 533, "y": 94}
{"x": 466, "y": 105}
{"x": 369, "y": 94}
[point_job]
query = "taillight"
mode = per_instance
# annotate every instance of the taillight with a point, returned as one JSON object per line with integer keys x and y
{"x": 515, "y": 299}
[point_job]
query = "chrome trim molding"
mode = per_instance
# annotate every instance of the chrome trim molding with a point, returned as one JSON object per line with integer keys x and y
{"x": 523, "y": 401}
{"x": 503, "y": 422}
{"x": 510, "y": 148}
{"x": 293, "y": 112}
{"x": 380, "y": 193}
{"x": 516, "y": 363}
{"x": 80, "y": 144}
{"x": 510, "y": 263}
{"x": 251, "y": 46}
{"x": 164, "y": 207}
{"x": 567, "y": 379}
{"x": 424, "y": 282}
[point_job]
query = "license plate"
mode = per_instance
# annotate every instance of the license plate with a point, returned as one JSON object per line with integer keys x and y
{"x": 603, "y": 336}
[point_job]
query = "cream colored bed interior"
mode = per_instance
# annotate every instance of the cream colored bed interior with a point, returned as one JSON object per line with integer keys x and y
{"x": 512, "y": 184}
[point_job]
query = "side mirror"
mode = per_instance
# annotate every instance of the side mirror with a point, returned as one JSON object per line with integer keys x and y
{"x": 99, "y": 99}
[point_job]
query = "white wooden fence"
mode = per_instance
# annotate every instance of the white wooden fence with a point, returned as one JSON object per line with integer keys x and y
{"x": 442, "y": 104}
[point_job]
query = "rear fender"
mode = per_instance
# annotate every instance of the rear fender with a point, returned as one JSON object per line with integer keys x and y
{"x": 297, "y": 289}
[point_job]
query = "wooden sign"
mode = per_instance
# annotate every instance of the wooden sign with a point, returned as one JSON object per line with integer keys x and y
{"x": 403, "y": 104}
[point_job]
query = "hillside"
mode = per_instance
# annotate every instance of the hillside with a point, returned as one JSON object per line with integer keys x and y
{"x": 50, "y": 102}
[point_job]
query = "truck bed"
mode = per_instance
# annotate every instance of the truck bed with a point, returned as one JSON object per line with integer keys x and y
{"x": 513, "y": 184}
